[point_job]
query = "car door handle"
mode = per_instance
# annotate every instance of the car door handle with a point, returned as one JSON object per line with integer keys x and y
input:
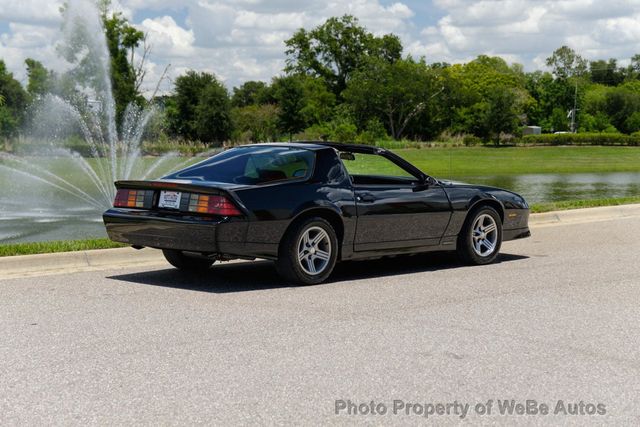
{"x": 366, "y": 197}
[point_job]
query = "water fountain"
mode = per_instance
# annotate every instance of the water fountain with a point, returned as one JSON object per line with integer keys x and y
{"x": 58, "y": 186}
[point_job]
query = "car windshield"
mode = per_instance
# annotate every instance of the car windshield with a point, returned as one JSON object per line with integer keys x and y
{"x": 251, "y": 165}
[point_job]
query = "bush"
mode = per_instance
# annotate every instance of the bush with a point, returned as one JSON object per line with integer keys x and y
{"x": 314, "y": 133}
{"x": 506, "y": 139}
{"x": 582, "y": 139}
{"x": 367, "y": 137}
{"x": 78, "y": 145}
{"x": 163, "y": 146}
{"x": 391, "y": 144}
{"x": 376, "y": 129}
{"x": 345, "y": 132}
{"x": 332, "y": 131}
{"x": 471, "y": 140}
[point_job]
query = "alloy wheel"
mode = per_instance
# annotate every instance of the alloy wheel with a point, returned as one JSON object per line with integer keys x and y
{"x": 314, "y": 250}
{"x": 485, "y": 235}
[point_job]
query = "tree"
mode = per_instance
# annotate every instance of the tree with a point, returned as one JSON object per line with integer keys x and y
{"x": 319, "y": 102}
{"x": 480, "y": 94}
{"x": 122, "y": 40}
{"x": 606, "y": 73}
{"x": 594, "y": 100}
{"x": 289, "y": 94}
{"x": 396, "y": 92}
{"x": 335, "y": 49}
{"x": 632, "y": 124}
{"x": 249, "y": 93}
{"x": 182, "y": 105}
{"x": 14, "y": 102}
{"x": 620, "y": 104}
{"x": 84, "y": 50}
{"x": 258, "y": 123}
{"x": 40, "y": 80}
{"x": 200, "y": 108}
{"x": 558, "y": 120}
{"x": 213, "y": 114}
{"x": 502, "y": 116}
{"x": 567, "y": 63}
{"x": 598, "y": 123}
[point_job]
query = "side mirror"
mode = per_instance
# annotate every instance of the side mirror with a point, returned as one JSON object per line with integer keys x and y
{"x": 347, "y": 156}
{"x": 425, "y": 185}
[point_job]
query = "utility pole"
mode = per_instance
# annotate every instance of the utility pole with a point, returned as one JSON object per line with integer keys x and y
{"x": 573, "y": 112}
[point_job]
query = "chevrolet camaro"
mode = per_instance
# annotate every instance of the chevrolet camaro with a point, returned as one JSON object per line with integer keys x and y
{"x": 309, "y": 205}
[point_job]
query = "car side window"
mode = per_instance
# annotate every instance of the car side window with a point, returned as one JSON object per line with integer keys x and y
{"x": 374, "y": 169}
{"x": 267, "y": 167}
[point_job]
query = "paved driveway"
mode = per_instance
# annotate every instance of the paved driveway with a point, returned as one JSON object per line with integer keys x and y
{"x": 556, "y": 319}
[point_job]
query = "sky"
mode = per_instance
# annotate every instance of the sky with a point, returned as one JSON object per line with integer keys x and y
{"x": 240, "y": 40}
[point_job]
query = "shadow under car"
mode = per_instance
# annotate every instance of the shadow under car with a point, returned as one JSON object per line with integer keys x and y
{"x": 261, "y": 275}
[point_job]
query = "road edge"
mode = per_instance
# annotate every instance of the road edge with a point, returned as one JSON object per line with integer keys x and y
{"x": 601, "y": 213}
{"x": 61, "y": 262}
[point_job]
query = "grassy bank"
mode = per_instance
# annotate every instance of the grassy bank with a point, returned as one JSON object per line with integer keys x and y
{"x": 478, "y": 161}
{"x": 579, "y": 204}
{"x": 437, "y": 161}
{"x": 446, "y": 162}
{"x": 57, "y": 246}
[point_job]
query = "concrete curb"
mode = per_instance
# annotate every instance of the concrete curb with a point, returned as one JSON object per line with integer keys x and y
{"x": 584, "y": 215}
{"x": 62, "y": 262}
{"x": 101, "y": 259}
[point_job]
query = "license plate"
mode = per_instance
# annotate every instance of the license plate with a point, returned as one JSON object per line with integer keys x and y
{"x": 170, "y": 199}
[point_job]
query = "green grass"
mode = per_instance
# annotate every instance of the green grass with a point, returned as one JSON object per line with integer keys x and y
{"x": 64, "y": 167}
{"x": 479, "y": 161}
{"x": 579, "y": 204}
{"x": 447, "y": 161}
{"x": 57, "y": 246}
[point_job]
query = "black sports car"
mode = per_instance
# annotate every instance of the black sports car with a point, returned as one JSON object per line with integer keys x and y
{"x": 309, "y": 205}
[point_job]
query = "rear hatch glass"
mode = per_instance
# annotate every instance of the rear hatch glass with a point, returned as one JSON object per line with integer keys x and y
{"x": 251, "y": 165}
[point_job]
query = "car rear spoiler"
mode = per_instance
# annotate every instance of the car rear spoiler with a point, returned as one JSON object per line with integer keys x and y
{"x": 176, "y": 185}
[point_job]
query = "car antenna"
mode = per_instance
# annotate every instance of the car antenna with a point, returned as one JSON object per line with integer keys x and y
{"x": 450, "y": 163}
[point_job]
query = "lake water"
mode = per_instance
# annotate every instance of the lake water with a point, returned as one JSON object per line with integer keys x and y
{"x": 29, "y": 214}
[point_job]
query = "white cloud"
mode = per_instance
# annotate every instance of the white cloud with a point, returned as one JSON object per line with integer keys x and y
{"x": 166, "y": 38}
{"x": 28, "y": 41}
{"x": 530, "y": 30}
{"x": 30, "y": 11}
{"x": 244, "y": 39}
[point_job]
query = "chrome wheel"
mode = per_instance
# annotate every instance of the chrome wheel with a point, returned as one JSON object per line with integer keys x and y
{"x": 314, "y": 250}
{"x": 484, "y": 235}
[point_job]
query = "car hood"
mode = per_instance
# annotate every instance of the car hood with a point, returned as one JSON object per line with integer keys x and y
{"x": 458, "y": 184}
{"x": 505, "y": 196}
{"x": 449, "y": 183}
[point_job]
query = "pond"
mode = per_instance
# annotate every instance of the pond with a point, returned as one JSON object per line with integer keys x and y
{"x": 34, "y": 213}
{"x": 538, "y": 188}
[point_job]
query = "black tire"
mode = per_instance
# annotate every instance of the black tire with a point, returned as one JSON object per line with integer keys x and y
{"x": 288, "y": 264}
{"x": 467, "y": 248}
{"x": 186, "y": 263}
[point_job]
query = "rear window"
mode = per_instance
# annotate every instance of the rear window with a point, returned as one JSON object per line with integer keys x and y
{"x": 251, "y": 165}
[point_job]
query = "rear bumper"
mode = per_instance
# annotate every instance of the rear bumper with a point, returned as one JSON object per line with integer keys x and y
{"x": 145, "y": 228}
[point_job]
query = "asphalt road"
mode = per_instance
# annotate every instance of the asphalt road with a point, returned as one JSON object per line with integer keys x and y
{"x": 556, "y": 319}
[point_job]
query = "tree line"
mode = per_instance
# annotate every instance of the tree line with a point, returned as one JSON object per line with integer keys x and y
{"x": 342, "y": 82}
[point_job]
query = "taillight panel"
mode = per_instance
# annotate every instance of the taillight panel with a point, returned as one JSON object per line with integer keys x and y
{"x": 127, "y": 198}
{"x": 212, "y": 204}
{"x": 206, "y": 204}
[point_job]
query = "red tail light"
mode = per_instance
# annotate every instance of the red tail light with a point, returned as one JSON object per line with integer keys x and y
{"x": 215, "y": 205}
{"x": 130, "y": 199}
